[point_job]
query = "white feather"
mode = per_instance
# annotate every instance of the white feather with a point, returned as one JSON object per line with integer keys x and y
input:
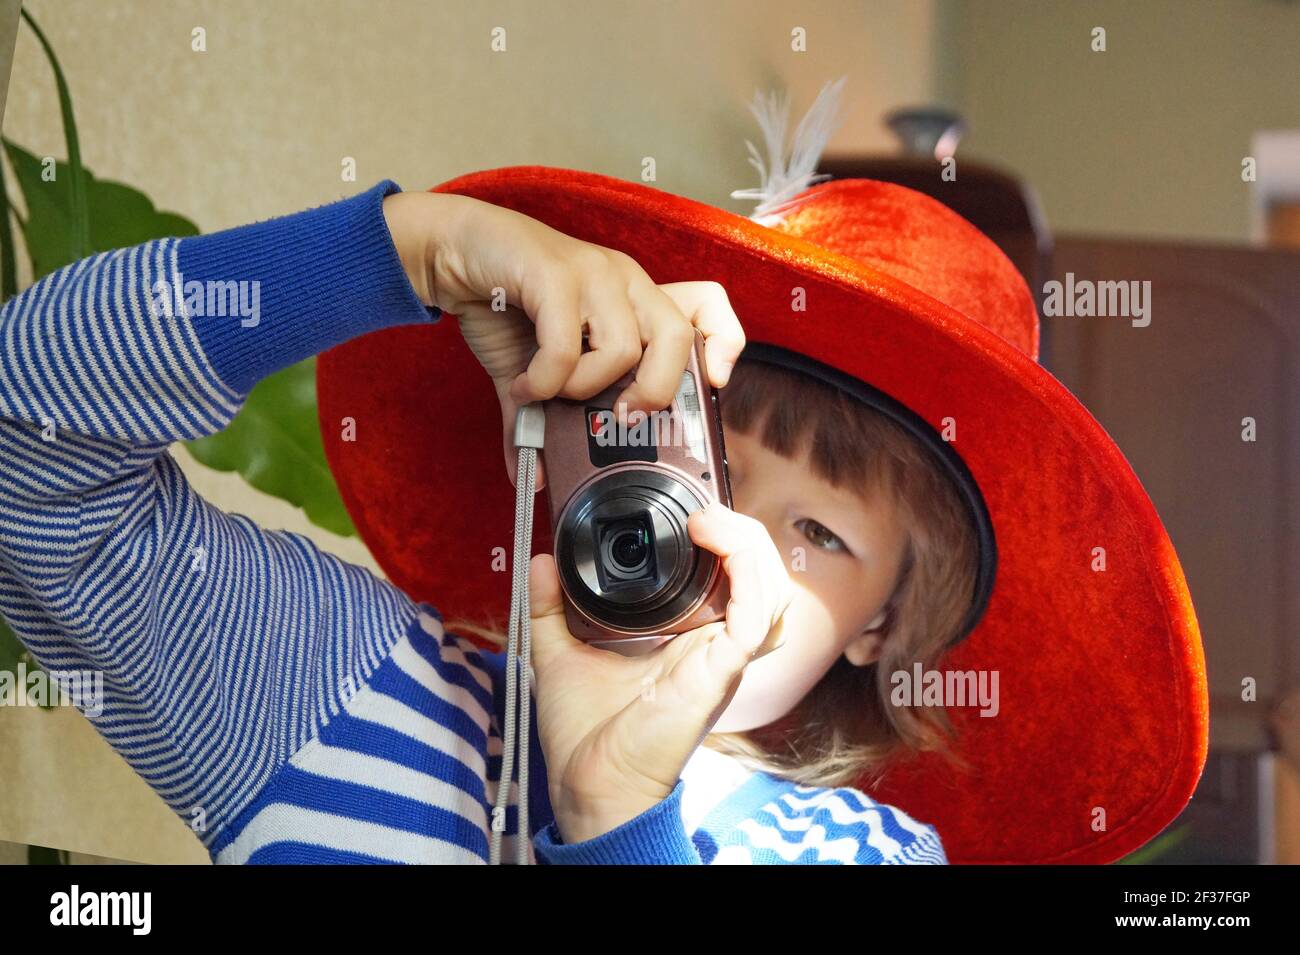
{"x": 782, "y": 179}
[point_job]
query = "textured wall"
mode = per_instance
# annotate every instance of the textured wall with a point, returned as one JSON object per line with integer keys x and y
{"x": 1145, "y": 139}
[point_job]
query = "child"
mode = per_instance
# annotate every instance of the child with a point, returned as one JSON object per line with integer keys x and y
{"x": 900, "y": 450}
{"x": 290, "y": 707}
{"x": 293, "y": 708}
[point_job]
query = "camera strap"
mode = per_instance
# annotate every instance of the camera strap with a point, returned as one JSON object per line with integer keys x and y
{"x": 530, "y": 430}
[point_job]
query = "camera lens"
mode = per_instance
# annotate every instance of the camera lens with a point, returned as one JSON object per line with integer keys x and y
{"x": 629, "y": 549}
{"x": 626, "y": 547}
{"x": 624, "y": 555}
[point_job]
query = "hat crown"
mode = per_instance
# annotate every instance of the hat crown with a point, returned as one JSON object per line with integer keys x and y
{"x": 912, "y": 237}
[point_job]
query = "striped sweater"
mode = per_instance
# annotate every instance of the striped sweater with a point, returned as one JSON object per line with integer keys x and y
{"x": 291, "y": 707}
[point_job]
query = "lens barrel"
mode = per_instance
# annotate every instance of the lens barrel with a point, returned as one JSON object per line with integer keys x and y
{"x": 624, "y": 554}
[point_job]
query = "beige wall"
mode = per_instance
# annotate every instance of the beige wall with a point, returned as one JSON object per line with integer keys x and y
{"x": 257, "y": 126}
{"x": 1145, "y": 139}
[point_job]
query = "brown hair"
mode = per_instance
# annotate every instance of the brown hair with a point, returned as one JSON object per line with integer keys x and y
{"x": 846, "y": 728}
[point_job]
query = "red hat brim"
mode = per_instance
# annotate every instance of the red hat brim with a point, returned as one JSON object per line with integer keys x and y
{"x": 1102, "y": 728}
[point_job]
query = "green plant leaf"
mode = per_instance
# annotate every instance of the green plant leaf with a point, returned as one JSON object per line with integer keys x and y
{"x": 119, "y": 215}
{"x": 275, "y": 443}
{"x": 47, "y": 230}
{"x": 12, "y": 652}
{"x": 78, "y": 201}
{"x": 11, "y": 649}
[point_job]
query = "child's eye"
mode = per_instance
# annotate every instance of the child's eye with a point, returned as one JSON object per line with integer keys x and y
{"x": 820, "y": 535}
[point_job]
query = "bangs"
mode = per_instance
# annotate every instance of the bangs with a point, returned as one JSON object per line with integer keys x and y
{"x": 849, "y": 445}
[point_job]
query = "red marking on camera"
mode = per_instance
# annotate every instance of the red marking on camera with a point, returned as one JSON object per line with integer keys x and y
{"x": 596, "y": 422}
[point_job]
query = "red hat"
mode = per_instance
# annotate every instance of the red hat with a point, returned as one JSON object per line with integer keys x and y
{"x": 1102, "y": 729}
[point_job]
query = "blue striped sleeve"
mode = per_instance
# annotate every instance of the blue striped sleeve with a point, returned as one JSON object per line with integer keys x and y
{"x": 304, "y": 283}
{"x": 222, "y": 647}
{"x": 655, "y": 837}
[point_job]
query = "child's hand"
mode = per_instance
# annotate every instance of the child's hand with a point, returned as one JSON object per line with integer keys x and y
{"x": 462, "y": 255}
{"x": 617, "y": 731}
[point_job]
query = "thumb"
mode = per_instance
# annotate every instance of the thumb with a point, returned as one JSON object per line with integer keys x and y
{"x": 550, "y": 630}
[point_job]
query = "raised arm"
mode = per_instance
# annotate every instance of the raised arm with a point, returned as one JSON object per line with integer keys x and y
{"x": 223, "y": 647}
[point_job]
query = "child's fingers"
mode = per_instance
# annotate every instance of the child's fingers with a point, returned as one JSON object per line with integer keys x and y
{"x": 613, "y": 338}
{"x": 756, "y": 573}
{"x": 707, "y": 306}
{"x": 663, "y": 728}
{"x": 668, "y": 338}
{"x": 723, "y": 531}
{"x": 558, "y": 323}
{"x": 666, "y": 722}
{"x": 747, "y": 619}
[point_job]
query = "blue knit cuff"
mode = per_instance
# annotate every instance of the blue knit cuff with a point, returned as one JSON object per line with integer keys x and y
{"x": 656, "y": 837}
{"x": 279, "y": 291}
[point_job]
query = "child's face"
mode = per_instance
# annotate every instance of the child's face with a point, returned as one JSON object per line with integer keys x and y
{"x": 843, "y": 556}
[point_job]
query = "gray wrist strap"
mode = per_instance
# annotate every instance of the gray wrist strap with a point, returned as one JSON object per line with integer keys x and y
{"x": 529, "y": 433}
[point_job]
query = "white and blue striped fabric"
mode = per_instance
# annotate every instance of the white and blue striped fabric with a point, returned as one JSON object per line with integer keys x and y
{"x": 291, "y": 707}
